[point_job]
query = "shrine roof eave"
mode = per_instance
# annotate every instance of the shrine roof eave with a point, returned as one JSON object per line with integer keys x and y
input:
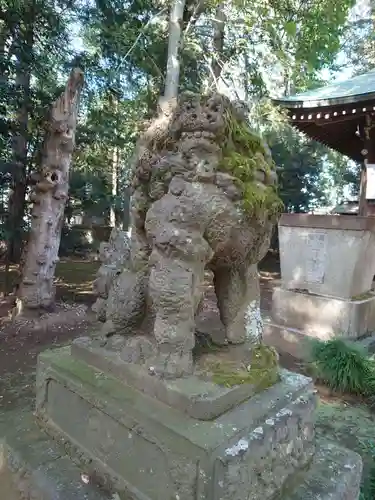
{"x": 322, "y": 103}
{"x": 340, "y": 138}
{"x": 358, "y": 89}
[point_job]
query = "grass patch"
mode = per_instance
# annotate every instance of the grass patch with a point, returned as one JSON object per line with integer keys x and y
{"x": 343, "y": 367}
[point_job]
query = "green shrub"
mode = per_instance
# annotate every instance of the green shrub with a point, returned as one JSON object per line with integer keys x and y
{"x": 343, "y": 367}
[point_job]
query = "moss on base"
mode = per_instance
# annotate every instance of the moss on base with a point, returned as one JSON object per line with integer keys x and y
{"x": 260, "y": 369}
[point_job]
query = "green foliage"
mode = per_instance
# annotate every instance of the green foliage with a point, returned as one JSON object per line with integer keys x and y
{"x": 301, "y": 164}
{"x": 343, "y": 366}
{"x": 122, "y": 48}
{"x": 257, "y": 199}
{"x": 309, "y": 173}
{"x": 302, "y": 37}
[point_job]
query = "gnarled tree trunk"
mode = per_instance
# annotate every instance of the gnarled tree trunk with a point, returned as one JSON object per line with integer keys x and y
{"x": 37, "y": 291}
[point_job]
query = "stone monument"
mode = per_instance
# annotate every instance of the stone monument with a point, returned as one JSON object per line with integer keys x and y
{"x": 145, "y": 413}
{"x": 327, "y": 269}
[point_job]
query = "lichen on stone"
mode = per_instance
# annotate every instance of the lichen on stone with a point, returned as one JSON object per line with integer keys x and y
{"x": 237, "y": 449}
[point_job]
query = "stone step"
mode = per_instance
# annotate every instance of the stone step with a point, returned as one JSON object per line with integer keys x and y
{"x": 335, "y": 474}
{"x": 33, "y": 466}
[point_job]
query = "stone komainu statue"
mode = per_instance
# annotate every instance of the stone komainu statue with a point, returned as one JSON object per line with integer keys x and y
{"x": 203, "y": 198}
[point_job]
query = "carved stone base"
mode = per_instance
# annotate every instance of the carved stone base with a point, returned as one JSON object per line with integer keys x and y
{"x": 196, "y": 395}
{"x": 147, "y": 450}
{"x": 33, "y": 465}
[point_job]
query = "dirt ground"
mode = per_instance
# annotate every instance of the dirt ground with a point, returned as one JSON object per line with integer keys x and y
{"x": 22, "y": 341}
{"x": 344, "y": 419}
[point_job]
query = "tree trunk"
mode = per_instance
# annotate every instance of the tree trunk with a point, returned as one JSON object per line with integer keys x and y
{"x": 113, "y": 217}
{"x": 218, "y": 41}
{"x": 16, "y": 209}
{"x": 37, "y": 291}
{"x": 173, "y": 62}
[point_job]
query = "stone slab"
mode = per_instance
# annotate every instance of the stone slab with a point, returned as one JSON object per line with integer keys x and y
{"x": 33, "y": 466}
{"x": 296, "y": 343}
{"x": 193, "y": 395}
{"x": 154, "y": 452}
{"x": 36, "y": 467}
{"x": 328, "y": 255}
{"x": 335, "y": 474}
{"x": 323, "y": 317}
{"x": 337, "y": 222}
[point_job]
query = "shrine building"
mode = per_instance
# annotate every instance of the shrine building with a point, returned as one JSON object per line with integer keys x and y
{"x": 341, "y": 116}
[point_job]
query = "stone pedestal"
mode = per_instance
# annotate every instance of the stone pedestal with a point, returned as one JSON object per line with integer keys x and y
{"x": 143, "y": 449}
{"x": 327, "y": 268}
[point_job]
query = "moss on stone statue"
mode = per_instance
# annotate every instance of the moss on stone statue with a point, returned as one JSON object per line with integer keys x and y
{"x": 258, "y": 198}
{"x": 244, "y": 155}
{"x": 261, "y": 369}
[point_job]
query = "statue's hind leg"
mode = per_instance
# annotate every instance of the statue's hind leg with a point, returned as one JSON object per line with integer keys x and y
{"x": 237, "y": 292}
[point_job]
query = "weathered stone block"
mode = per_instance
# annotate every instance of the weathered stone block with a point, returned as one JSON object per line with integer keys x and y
{"x": 323, "y": 317}
{"x": 113, "y": 256}
{"x": 34, "y": 467}
{"x": 155, "y": 452}
{"x": 327, "y": 254}
{"x": 194, "y": 395}
{"x": 335, "y": 474}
